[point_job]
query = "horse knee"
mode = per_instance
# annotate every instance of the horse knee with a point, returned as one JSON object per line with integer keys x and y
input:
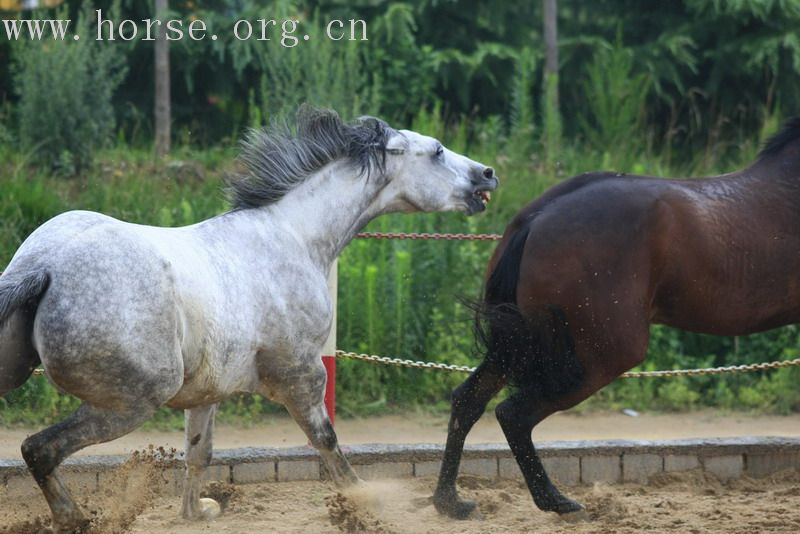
{"x": 324, "y": 437}
{"x": 464, "y": 405}
{"x": 40, "y": 458}
{"x": 504, "y": 412}
{"x": 513, "y": 419}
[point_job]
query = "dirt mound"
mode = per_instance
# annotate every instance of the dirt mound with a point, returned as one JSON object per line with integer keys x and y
{"x": 122, "y": 495}
{"x": 348, "y": 516}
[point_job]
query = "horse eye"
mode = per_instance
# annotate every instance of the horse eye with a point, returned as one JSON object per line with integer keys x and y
{"x": 439, "y": 150}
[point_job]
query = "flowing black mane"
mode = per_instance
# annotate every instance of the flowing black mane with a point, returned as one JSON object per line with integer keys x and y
{"x": 788, "y": 134}
{"x": 278, "y": 158}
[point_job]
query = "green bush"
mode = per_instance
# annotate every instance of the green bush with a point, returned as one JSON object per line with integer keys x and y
{"x": 65, "y": 91}
{"x": 615, "y": 103}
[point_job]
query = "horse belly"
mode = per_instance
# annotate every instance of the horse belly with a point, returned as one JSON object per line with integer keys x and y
{"x": 719, "y": 307}
{"x": 214, "y": 379}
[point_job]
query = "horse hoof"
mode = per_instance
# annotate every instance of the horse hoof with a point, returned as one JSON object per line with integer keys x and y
{"x": 576, "y": 516}
{"x": 457, "y": 508}
{"x": 568, "y": 506}
{"x": 79, "y": 526}
{"x": 209, "y": 509}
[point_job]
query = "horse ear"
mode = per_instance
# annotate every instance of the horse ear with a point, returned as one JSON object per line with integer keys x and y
{"x": 396, "y": 144}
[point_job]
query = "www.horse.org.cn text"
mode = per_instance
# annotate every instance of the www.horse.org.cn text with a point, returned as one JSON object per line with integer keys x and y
{"x": 288, "y": 33}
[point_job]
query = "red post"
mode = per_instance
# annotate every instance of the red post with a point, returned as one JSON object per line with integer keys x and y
{"x": 329, "y": 349}
{"x": 330, "y": 387}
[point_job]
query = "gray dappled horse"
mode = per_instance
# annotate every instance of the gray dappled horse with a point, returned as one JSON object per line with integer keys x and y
{"x": 129, "y": 318}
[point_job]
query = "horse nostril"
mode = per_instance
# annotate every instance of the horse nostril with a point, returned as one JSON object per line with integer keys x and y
{"x": 488, "y": 172}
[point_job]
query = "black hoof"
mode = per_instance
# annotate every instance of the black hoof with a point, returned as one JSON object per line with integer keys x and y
{"x": 453, "y": 506}
{"x": 559, "y": 504}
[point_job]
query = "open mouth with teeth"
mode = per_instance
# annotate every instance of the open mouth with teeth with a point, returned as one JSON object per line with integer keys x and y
{"x": 478, "y": 201}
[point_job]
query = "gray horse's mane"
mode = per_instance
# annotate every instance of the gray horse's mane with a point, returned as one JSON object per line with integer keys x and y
{"x": 278, "y": 158}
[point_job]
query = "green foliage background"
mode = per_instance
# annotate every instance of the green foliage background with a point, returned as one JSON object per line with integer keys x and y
{"x": 680, "y": 88}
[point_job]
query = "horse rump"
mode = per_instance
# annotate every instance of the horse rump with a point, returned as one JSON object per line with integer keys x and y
{"x": 535, "y": 352}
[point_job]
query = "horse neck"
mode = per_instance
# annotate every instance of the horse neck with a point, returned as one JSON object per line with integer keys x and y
{"x": 777, "y": 175}
{"x": 328, "y": 209}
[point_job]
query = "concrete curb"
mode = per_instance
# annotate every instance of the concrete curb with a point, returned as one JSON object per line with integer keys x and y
{"x": 568, "y": 462}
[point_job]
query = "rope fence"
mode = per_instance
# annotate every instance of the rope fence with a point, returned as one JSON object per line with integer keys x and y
{"x": 438, "y": 366}
{"x": 631, "y": 374}
{"x": 434, "y": 237}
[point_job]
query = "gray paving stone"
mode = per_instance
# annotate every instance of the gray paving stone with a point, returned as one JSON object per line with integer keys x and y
{"x": 385, "y": 470}
{"x": 760, "y": 465}
{"x": 564, "y": 470}
{"x": 680, "y": 462}
{"x": 481, "y": 467}
{"x": 217, "y": 473}
{"x": 508, "y": 469}
{"x": 298, "y": 470}
{"x": 640, "y": 467}
{"x": 601, "y": 469}
{"x": 427, "y": 468}
{"x": 250, "y": 473}
{"x": 724, "y": 467}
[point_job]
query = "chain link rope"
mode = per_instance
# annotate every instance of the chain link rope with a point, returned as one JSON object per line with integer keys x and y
{"x": 438, "y": 366}
{"x": 631, "y": 374}
{"x": 434, "y": 237}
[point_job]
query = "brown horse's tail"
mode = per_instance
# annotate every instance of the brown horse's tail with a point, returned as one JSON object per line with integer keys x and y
{"x": 536, "y": 353}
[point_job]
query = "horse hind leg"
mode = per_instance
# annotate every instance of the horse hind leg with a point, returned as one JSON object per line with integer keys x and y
{"x": 521, "y": 412}
{"x": 517, "y": 416}
{"x": 550, "y": 377}
{"x": 199, "y": 431}
{"x": 45, "y": 451}
{"x": 468, "y": 404}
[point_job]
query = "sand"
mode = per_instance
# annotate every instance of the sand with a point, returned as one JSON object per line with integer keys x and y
{"x": 687, "y": 502}
{"x": 133, "y": 500}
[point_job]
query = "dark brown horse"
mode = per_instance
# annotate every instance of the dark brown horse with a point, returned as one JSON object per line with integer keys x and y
{"x": 583, "y": 271}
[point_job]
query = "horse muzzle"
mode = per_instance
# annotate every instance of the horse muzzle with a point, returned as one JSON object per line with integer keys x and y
{"x": 481, "y": 194}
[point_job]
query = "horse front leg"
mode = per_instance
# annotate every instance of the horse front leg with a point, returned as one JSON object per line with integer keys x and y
{"x": 199, "y": 432}
{"x": 303, "y": 394}
{"x": 468, "y": 404}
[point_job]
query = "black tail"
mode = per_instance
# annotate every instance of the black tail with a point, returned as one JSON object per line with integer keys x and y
{"x": 21, "y": 290}
{"x": 536, "y": 354}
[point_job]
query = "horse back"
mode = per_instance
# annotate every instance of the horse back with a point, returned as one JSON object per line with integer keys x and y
{"x": 733, "y": 259}
{"x": 707, "y": 255}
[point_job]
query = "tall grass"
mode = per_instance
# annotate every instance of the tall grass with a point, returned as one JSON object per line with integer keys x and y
{"x": 398, "y": 298}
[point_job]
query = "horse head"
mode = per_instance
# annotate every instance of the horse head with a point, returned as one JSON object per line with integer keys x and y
{"x": 423, "y": 175}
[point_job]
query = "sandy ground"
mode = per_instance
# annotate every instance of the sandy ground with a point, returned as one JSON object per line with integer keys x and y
{"x": 686, "y": 502}
{"x": 132, "y": 501}
{"x": 283, "y": 432}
